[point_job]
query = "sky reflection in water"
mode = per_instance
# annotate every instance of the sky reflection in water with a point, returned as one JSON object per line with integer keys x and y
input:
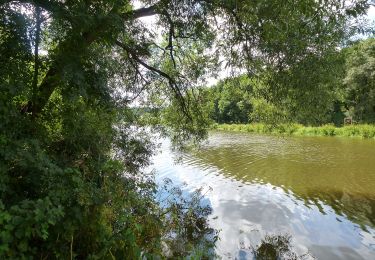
{"x": 320, "y": 191}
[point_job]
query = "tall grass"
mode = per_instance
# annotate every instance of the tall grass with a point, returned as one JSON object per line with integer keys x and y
{"x": 363, "y": 131}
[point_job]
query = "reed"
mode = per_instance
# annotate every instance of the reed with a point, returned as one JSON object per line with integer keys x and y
{"x": 363, "y": 130}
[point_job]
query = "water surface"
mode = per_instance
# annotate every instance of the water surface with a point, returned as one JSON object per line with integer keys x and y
{"x": 318, "y": 190}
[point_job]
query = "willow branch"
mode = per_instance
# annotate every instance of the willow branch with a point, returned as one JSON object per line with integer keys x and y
{"x": 172, "y": 83}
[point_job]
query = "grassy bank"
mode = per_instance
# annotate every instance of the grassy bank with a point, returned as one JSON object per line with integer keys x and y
{"x": 363, "y": 131}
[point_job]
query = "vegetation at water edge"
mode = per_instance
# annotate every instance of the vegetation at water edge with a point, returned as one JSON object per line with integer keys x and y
{"x": 363, "y": 131}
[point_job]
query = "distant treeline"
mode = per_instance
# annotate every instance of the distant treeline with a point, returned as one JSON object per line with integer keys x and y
{"x": 341, "y": 86}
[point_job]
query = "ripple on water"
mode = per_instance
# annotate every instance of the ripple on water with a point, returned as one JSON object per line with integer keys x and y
{"x": 321, "y": 191}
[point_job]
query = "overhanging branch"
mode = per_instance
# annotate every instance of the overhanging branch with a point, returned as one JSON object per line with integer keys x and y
{"x": 58, "y": 8}
{"x": 172, "y": 83}
{"x": 54, "y": 7}
{"x": 145, "y": 11}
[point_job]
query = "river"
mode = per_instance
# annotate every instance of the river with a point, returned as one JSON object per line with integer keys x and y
{"x": 318, "y": 191}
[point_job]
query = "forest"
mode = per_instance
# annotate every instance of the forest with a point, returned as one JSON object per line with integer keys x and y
{"x": 74, "y": 151}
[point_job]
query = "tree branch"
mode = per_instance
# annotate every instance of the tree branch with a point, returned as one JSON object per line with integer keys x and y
{"x": 36, "y": 53}
{"x": 170, "y": 39}
{"x": 172, "y": 83}
{"x": 58, "y": 8}
{"x": 145, "y": 11}
{"x": 53, "y": 76}
{"x": 54, "y": 7}
{"x": 142, "y": 12}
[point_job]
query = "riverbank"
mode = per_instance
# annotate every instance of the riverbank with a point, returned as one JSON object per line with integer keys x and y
{"x": 363, "y": 131}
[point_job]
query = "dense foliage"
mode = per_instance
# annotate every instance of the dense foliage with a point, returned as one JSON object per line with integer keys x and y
{"x": 230, "y": 101}
{"x": 344, "y": 87}
{"x": 73, "y": 154}
{"x": 359, "y": 81}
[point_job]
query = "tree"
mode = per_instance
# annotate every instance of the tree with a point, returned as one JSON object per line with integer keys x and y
{"x": 360, "y": 80}
{"x": 71, "y": 160}
{"x": 231, "y": 100}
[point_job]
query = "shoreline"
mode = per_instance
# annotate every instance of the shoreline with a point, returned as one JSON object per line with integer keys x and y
{"x": 364, "y": 131}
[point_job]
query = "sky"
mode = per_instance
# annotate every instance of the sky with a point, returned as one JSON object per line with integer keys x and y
{"x": 371, "y": 13}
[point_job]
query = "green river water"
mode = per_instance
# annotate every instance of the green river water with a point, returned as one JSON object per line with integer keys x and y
{"x": 319, "y": 191}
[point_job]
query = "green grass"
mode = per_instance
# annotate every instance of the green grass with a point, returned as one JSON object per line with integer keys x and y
{"x": 363, "y": 131}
